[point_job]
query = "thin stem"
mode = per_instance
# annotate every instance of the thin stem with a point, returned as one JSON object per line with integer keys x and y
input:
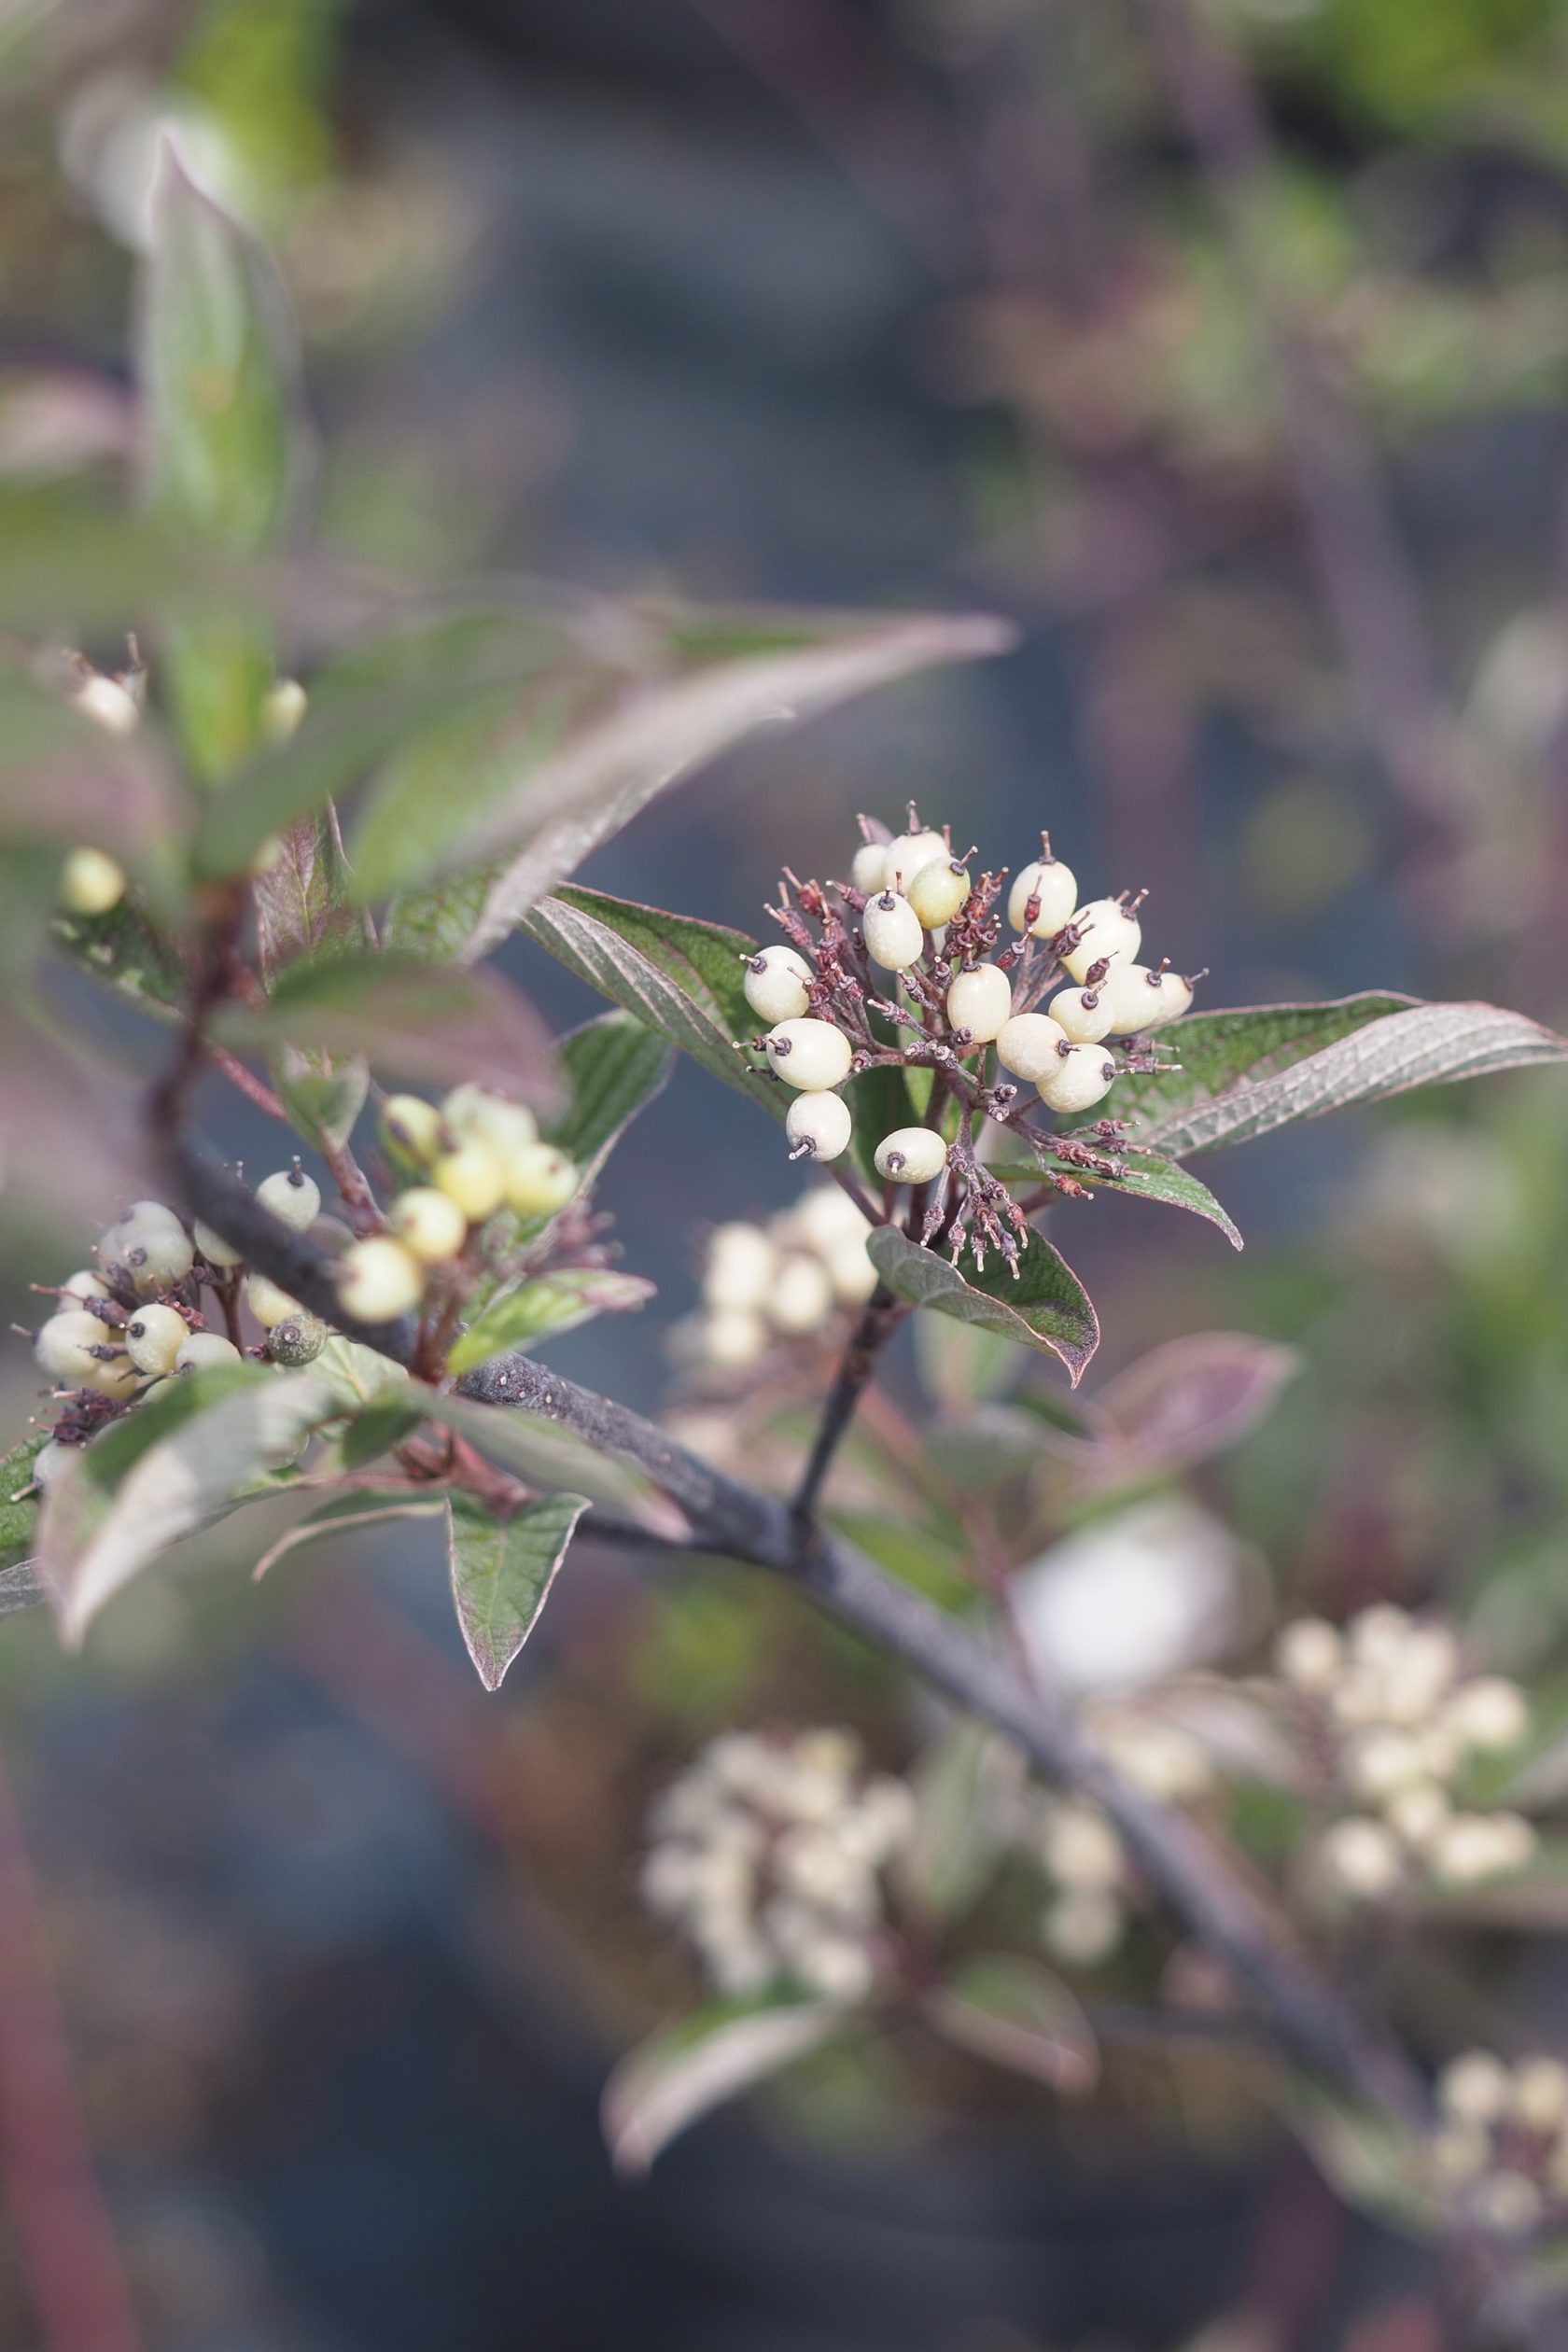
{"x": 880, "y": 1317}
{"x": 254, "y": 1089}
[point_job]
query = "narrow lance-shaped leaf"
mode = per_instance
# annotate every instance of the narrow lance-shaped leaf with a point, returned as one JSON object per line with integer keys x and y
{"x": 1145, "y": 1176}
{"x": 1214, "y": 1053}
{"x": 683, "y": 978}
{"x": 1046, "y": 1306}
{"x": 663, "y": 2087}
{"x": 502, "y": 1571}
{"x": 1019, "y": 2014}
{"x": 347, "y": 1514}
{"x": 543, "y": 1309}
{"x": 612, "y": 1068}
{"x": 1186, "y": 1401}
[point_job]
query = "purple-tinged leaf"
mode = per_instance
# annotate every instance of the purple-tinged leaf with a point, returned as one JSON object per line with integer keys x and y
{"x": 1046, "y": 1306}
{"x": 356, "y": 1507}
{"x": 502, "y": 1571}
{"x": 1187, "y": 1400}
{"x": 1017, "y": 2013}
{"x": 679, "y": 2075}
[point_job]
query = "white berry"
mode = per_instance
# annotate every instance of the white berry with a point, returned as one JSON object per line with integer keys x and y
{"x": 106, "y": 700}
{"x": 48, "y": 1462}
{"x": 214, "y": 1248}
{"x": 810, "y": 1055}
{"x": 292, "y": 1197}
{"x": 869, "y": 870}
{"x": 741, "y": 1265}
{"x": 267, "y": 1302}
{"x": 1489, "y": 1713}
{"x": 540, "y": 1180}
{"x": 1111, "y": 935}
{"x": 938, "y": 891}
{"x": 152, "y": 1245}
{"x": 283, "y": 709}
{"x": 84, "y": 1285}
{"x": 733, "y": 1337}
{"x": 410, "y": 1128}
{"x": 1086, "y": 1015}
{"x": 775, "y": 985}
{"x": 154, "y": 1337}
{"x": 1143, "y": 999}
{"x": 91, "y": 883}
{"x": 66, "y": 1347}
{"x": 1054, "y": 887}
{"x": 473, "y": 1176}
{"x": 429, "y": 1222}
{"x": 820, "y": 1123}
{"x": 1083, "y": 1075}
{"x": 200, "y": 1350}
{"x": 1031, "y": 1045}
{"x": 980, "y": 1001}
{"x": 893, "y": 936}
{"x": 802, "y": 1298}
{"x": 1362, "y": 1857}
{"x": 1310, "y": 1654}
{"x": 475, "y": 1112}
{"x": 907, "y": 853}
{"x": 911, "y": 1156}
{"x": 379, "y": 1280}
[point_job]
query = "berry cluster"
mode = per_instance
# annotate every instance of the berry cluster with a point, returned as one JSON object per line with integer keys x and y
{"x": 1392, "y": 1722}
{"x": 475, "y": 1179}
{"x": 899, "y": 967}
{"x": 1502, "y": 2143}
{"x": 1094, "y": 1885}
{"x": 768, "y": 1856}
{"x": 792, "y": 1278}
{"x": 141, "y": 1315}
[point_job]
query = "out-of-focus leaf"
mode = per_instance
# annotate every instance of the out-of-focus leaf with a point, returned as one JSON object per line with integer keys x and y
{"x": 612, "y": 1068}
{"x": 360, "y": 1506}
{"x": 218, "y": 368}
{"x": 545, "y": 1454}
{"x": 437, "y": 923}
{"x": 19, "y": 1516}
{"x": 420, "y": 1020}
{"x": 153, "y": 1477}
{"x": 73, "y": 1134}
{"x": 322, "y": 1093}
{"x": 303, "y": 911}
{"x": 1018, "y": 2014}
{"x": 678, "y": 2075}
{"x": 502, "y": 1571}
{"x": 597, "y": 778}
{"x": 1187, "y": 1400}
{"x": 543, "y": 1308}
{"x": 64, "y": 778}
{"x": 1374, "y": 2166}
{"x": 960, "y": 1366}
{"x": 683, "y": 978}
{"x": 954, "y": 1852}
{"x": 75, "y": 564}
{"x": 124, "y": 951}
{"x": 1045, "y": 1308}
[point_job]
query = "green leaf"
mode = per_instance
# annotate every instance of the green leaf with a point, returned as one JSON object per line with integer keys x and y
{"x": 683, "y": 978}
{"x": 437, "y": 923}
{"x": 1019, "y": 2015}
{"x": 955, "y": 1852}
{"x": 756, "y": 674}
{"x": 154, "y": 1476}
{"x": 544, "y": 1454}
{"x": 1218, "y": 1052}
{"x": 677, "y": 2076}
{"x": 360, "y": 1506}
{"x": 543, "y": 1309}
{"x": 501, "y": 1574}
{"x": 1047, "y": 1308}
{"x": 322, "y": 1093}
{"x": 218, "y": 368}
{"x": 19, "y": 1518}
{"x": 124, "y": 951}
{"x": 1145, "y": 1176}
{"x": 303, "y": 910}
{"x": 881, "y": 1101}
{"x": 612, "y": 1068}
{"x": 420, "y": 1020}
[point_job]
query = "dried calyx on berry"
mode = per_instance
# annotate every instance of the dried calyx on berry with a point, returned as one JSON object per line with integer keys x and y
{"x": 985, "y": 986}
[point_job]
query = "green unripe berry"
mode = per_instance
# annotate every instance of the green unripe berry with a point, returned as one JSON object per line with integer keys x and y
{"x": 214, "y": 1248}
{"x": 379, "y": 1280}
{"x": 430, "y": 1224}
{"x": 298, "y": 1339}
{"x": 938, "y": 891}
{"x": 291, "y": 1197}
{"x": 472, "y": 1175}
{"x": 91, "y": 883}
{"x": 540, "y": 1180}
{"x": 980, "y": 1001}
{"x": 475, "y": 1112}
{"x": 411, "y": 1130}
{"x": 204, "y": 1349}
{"x": 811, "y": 1055}
{"x": 153, "y": 1338}
{"x": 268, "y": 1303}
{"x": 911, "y": 1156}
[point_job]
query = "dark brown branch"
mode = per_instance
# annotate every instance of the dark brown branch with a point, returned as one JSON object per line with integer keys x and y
{"x": 879, "y": 1319}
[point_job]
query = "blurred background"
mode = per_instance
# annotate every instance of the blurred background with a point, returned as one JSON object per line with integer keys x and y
{"x": 1222, "y": 347}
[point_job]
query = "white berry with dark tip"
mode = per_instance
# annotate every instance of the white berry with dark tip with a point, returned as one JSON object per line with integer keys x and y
{"x": 1110, "y": 935}
{"x": 291, "y": 1197}
{"x": 911, "y": 1156}
{"x": 1051, "y": 888}
{"x": 776, "y": 979}
{"x": 378, "y": 1279}
{"x": 200, "y": 1350}
{"x": 980, "y": 1001}
{"x": 153, "y": 1338}
{"x": 151, "y": 1244}
{"x": 908, "y": 853}
{"x": 811, "y": 1055}
{"x": 68, "y": 1348}
{"x": 1143, "y": 999}
{"x": 1084, "y": 1075}
{"x": 1030, "y": 1045}
{"x": 819, "y": 1124}
{"x": 939, "y": 891}
{"x": 893, "y": 936}
{"x": 1084, "y": 1015}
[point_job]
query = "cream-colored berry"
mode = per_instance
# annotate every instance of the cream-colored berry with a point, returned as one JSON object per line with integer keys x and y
{"x": 1083, "y": 1076}
{"x": 1110, "y": 933}
{"x": 853, "y": 1275}
{"x": 473, "y": 1176}
{"x": 1539, "y": 2098}
{"x": 200, "y": 1350}
{"x": 1031, "y": 1045}
{"x": 429, "y": 1222}
{"x": 1508, "y": 2202}
{"x": 733, "y": 1337}
{"x": 1082, "y": 1926}
{"x": 939, "y": 891}
{"x": 267, "y": 1302}
{"x": 911, "y": 1156}
{"x": 893, "y": 936}
{"x": 1475, "y": 2088}
{"x": 110, "y": 704}
{"x": 84, "y": 1285}
{"x": 151, "y": 1244}
{"x": 540, "y": 1180}
{"x": 1081, "y": 1847}
{"x": 1419, "y": 1814}
{"x": 868, "y": 870}
{"x": 153, "y": 1338}
{"x": 819, "y": 1124}
{"x": 214, "y": 1249}
{"x": 282, "y": 710}
{"x": 910, "y": 853}
{"x": 291, "y": 1197}
{"x": 1310, "y": 1654}
{"x": 475, "y": 1113}
{"x": 1383, "y": 1761}
{"x": 1360, "y": 1857}
{"x": 980, "y": 1001}
{"x": 411, "y": 1130}
{"x": 740, "y": 1268}
{"x": 1084, "y": 1014}
{"x": 66, "y": 1347}
{"x": 1141, "y": 999}
{"x": 775, "y": 984}
{"x": 378, "y": 1279}
{"x": 802, "y": 1297}
{"x": 1052, "y": 888}
{"x": 1459, "y": 2154}
{"x": 811, "y": 1055}
{"x": 91, "y": 883}
{"x": 50, "y": 1462}
{"x": 1489, "y": 1713}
